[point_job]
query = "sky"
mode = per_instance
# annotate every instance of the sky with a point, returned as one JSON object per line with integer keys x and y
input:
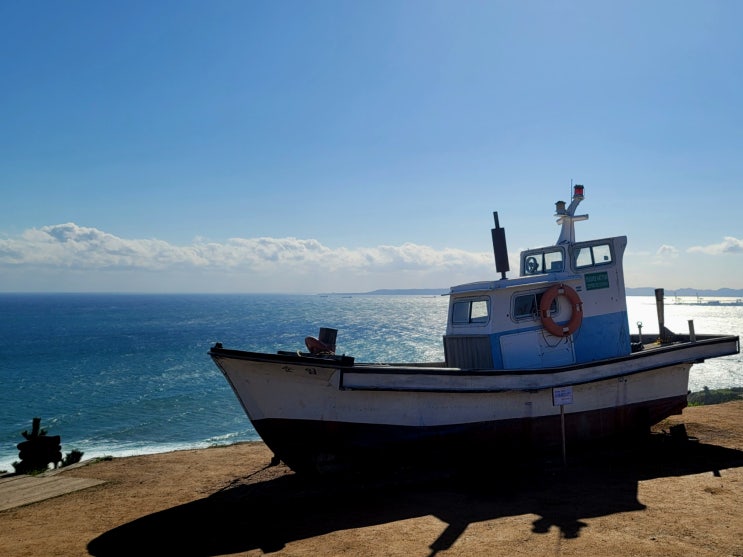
{"x": 337, "y": 146}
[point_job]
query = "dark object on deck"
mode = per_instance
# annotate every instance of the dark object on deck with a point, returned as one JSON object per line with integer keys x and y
{"x": 38, "y": 451}
{"x": 325, "y": 344}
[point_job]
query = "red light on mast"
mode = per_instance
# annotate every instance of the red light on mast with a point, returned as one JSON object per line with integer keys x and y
{"x": 577, "y": 191}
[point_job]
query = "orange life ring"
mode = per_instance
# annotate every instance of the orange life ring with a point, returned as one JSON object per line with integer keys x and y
{"x": 544, "y": 310}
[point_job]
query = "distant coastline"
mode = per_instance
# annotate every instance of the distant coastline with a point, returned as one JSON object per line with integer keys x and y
{"x": 719, "y": 293}
{"x": 393, "y": 292}
{"x": 641, "y": 291}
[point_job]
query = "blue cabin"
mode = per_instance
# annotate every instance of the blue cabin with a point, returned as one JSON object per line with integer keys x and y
{"x": 567, "y": 306}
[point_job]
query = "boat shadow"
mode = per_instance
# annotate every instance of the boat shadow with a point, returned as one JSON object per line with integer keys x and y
{"x": 265, "y": 515}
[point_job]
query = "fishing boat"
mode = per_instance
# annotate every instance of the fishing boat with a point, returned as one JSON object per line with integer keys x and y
{"x": 532, "y": 363}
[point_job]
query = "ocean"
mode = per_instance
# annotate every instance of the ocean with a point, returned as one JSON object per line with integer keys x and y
{"x": 126, "y": 374}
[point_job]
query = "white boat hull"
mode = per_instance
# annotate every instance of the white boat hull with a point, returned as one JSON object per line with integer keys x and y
{"x": 318, "y": 414}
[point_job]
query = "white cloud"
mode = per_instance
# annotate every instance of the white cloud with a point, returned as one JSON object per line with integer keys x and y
{"x": 728, "y": 245}
{"x": 69, "y": 257}
{"x": 72, "y": 246}
{"x": 250, "y": 263}
{"x": 667, "y": 251}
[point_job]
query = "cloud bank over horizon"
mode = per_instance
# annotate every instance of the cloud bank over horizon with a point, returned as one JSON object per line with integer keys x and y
{"x": 75, "y": 257}
{"x": 728, "y": 245}
{"x": 79, "y": 249}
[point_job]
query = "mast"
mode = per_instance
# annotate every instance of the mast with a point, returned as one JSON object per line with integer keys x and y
{"x": 567, "y": 217}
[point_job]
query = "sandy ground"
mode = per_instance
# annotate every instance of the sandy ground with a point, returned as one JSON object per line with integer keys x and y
{"x": 661, "y": 498}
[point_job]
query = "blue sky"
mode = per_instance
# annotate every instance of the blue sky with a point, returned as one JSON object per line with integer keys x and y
{"x": 300, "y": 146}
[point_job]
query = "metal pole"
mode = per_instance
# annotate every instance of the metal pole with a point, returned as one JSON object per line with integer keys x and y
{"x": 562, "y": 423}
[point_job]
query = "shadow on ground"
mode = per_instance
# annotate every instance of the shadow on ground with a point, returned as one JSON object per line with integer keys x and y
{"x": 266, "y": 515}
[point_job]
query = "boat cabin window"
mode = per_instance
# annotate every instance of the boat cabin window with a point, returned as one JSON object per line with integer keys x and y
{"x": 544, "y": 261}
{"x": 592, "y": 256}
{"x": 527, "y": 306}
{"x": 470, "y": 311}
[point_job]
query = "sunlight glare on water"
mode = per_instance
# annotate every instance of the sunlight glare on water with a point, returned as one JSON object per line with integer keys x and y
{"x": 708, "y": 319}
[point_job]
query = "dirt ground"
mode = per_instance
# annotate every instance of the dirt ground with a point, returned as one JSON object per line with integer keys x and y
{"x": 661, "y": 498}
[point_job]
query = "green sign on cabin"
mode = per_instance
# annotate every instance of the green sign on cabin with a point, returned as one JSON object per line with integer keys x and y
{"x": 594, "y": 281}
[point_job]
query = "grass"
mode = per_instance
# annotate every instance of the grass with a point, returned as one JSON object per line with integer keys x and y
{"x": 716, "y": 396}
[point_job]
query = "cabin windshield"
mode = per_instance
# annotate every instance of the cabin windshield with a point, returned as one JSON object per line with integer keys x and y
{"x": 469, "y": 311}
{"x": 592, "y": 256}
{"x": 543, "y": 261}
